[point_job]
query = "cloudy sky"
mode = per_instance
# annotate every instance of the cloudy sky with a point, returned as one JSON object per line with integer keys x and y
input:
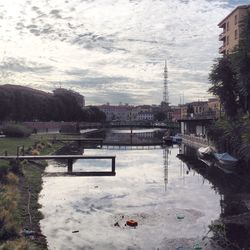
{"x": 112, "y": 50}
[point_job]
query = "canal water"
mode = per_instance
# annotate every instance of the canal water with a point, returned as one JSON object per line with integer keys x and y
{"x": 172, "y": 203}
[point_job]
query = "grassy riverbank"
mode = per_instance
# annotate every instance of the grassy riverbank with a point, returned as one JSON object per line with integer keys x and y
{"x": 20, "y": 185}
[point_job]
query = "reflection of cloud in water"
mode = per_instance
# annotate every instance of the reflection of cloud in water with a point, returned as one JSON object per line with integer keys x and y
{"x": 89, "y": 205}
{"x": 80, "y": 165}
{"x": 92, "y": 205}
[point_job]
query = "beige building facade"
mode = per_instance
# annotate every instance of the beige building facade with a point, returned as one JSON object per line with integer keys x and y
{"x": 231, "y": 29}
{"x": 183, "y": 108}
{"x": 199, "y": 107}
{"x": 215, "y": 106}
{"x": 127, "y": 113}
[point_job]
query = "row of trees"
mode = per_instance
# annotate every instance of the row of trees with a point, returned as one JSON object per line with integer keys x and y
{"x": 25, "y": 104}
{"x": 230, "y": 78}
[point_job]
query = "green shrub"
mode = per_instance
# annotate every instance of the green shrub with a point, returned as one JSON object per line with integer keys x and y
{"x": 15, "y": 166}
{"x": 9, "y": 228}
{"x": 24, "y": 162}
{"x": 12, "y": 179}
{"x": 39, "y": 146}
{"x": 35, "y": 152}
{"x": 4, "y": 168}
{"x": 18, "y": 244}
{"x": 9, "y": 218}
{"x": 16, "y": 130}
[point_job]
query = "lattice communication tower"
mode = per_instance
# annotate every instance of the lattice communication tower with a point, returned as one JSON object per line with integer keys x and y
{"x": 165, "y": 87}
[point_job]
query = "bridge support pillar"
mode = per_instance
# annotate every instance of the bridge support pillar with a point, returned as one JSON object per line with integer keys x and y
{"x": 113, "y": 165}
{"x": 70, "y": 165}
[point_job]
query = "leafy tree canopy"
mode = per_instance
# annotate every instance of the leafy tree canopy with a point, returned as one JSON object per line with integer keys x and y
{"x": 230, "y": 75}
{"x": 20, "y": 103}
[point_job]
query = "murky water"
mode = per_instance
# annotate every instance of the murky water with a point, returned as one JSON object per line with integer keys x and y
{"x": 172, "y": 204}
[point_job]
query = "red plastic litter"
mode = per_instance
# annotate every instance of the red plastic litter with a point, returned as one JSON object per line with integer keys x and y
{"x": 132, "y": 223}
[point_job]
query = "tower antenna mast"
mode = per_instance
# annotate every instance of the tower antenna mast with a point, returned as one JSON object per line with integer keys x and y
{"x": 165, "y": 86}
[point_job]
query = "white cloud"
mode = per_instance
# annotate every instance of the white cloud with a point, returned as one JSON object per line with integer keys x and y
{"x": 113, "y": 40}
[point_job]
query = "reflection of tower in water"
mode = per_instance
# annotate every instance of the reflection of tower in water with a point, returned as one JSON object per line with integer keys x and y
{"x": 165, "y": 165}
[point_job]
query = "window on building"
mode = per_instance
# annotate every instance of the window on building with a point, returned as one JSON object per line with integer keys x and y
{"x": 227, "y": 40}
{"x": 227, "y": 26}
{"x": 235, "y": 19}
{"x": 236, "y": 34}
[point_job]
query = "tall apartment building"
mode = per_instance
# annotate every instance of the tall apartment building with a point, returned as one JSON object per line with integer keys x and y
{"x": 231, "y": 29}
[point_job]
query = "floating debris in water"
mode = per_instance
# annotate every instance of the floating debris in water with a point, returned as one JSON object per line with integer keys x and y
{"x": 197, "y": 247}
{"x": 27, "y": 232}
{"x": 31, "y": 233}
{"x": 180, "y": 248}
{"x": 117, "y": 224}
{"x": 132, "y": 223}
{"x": 180, "y": 216}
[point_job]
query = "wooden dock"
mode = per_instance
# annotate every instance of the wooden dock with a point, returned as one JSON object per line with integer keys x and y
{"x": 70, "y": 159}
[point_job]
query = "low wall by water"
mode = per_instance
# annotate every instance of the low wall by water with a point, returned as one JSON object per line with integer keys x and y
{"x": 195, "y": 141}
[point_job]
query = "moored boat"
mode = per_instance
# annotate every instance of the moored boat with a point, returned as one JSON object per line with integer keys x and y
{"x": 205, "y": 152}
{"x": 208, "y": 162}
{"x": 176, "y": 139}
{"x": 167, "y": 138}
{"x": 226, "y": 162}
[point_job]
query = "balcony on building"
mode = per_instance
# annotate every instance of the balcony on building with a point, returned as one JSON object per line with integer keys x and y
{"x": 222, "y": 49}
{"x": 222, "y": 36}
{"x": 222, "y": 25}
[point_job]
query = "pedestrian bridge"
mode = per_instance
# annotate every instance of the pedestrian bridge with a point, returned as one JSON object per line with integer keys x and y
{"x": 70, "y": 160}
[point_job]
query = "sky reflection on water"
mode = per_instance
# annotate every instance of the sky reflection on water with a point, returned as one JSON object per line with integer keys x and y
{"x": 144, "y": 190}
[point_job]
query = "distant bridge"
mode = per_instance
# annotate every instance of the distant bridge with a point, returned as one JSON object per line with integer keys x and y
{"x": 126, "y": 125}
{"x": 102, "y": 142}
{"x": 95, "y": 141}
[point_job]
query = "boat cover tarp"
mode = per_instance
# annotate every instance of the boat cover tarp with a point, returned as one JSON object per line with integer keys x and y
{"x": 225, "y": 157}
{"x": 207, "y": 150}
